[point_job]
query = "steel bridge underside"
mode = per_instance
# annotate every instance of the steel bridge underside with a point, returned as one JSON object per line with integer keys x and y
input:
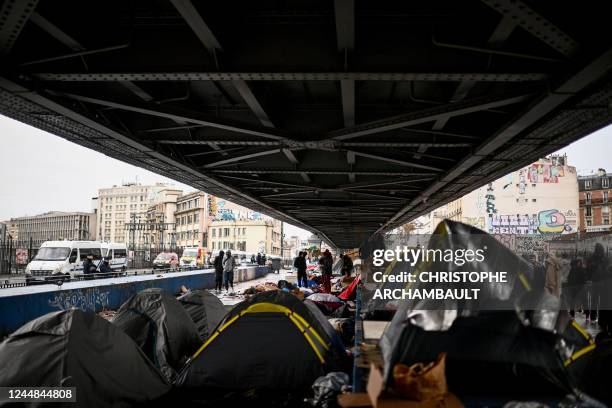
{"x": 343, "y": 117}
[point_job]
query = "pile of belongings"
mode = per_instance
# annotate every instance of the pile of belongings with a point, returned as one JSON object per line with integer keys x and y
{"x": 161, "y": 327}
{"x": 72, "y": 348}
{"x": 262, "y": 287}
{"x": 271, "y": 341}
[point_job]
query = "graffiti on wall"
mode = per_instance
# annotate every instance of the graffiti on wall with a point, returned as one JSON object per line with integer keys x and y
{"x": 490, "y": 197}
{"x": 545, "y": 173}
{"x": 89, "y": 299}
{"x": 550, "y": 221}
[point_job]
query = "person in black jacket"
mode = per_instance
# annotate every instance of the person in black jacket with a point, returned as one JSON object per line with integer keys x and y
{"x": 300, "y": 264}
{"x": 576, "y": 280}
{"x": 89, "y": 267}
{"x": 218, "y": 263}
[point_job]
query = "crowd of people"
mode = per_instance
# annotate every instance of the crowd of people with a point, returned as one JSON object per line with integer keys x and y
{"x": 582, "y": 283}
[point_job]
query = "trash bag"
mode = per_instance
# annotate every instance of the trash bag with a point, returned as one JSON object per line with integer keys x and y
{"x": 327, "y": 388}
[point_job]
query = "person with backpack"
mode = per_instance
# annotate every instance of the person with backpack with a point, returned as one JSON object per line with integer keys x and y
{"x": 326, "y": 264}
{"x": 218, "y": 263}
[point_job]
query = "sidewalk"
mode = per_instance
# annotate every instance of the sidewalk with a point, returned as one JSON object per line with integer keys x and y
{"x": 240, "y": 287}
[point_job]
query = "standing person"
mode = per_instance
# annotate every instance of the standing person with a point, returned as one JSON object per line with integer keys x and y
{"x": 252, "y": 258}
{"x": 326, "y": 263}
{"x": 575, "y": 285}
{"x": 553, "y": 276}
{"x": 301, "y": 269}
{"x": 258, "y": 259}
{"x": 228, "y": 270}
{"x": 218, "y": 264}
{"x": 347, "y": 265}
{"x": 597, "y": 268}
{"x": 263, "y": 260}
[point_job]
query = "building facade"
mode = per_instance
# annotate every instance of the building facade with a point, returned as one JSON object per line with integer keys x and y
{"x": 160, "y": 224}
{"x": 539, "y": 199}
{"x": 54, "y": 225}
{"x": 192, "y": 216}
{"x": 120, "y": 207}
{"x": 595, "y": 204}
{"x": 246, "y": 235}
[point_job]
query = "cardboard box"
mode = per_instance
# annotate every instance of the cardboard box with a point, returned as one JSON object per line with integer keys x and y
{"x": 377, "y": 397}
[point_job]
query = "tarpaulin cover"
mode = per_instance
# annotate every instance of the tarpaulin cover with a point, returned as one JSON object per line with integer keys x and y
{"x": 79, "y": 349}
{"x": 270, "y": 341}
{"x": 205, "y": 309}
{"x": 488, "y": 350}
{"x": 350, "y": 292}
{"x": 162, "y": 328}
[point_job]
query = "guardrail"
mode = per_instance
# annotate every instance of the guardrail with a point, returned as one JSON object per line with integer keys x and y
{"x": 60, "y": 279}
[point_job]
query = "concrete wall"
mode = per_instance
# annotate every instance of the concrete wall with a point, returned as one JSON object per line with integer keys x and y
{"x": 20, "y": 305}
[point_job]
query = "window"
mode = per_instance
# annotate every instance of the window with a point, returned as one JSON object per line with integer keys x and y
{"x": 196, "y": 217}
{"x": 533, "y": 200}
{"x": 226, "y": 232}
{"x": 588, "y": 198}
{"x": 96, "y": 252}
{"x": 213, "y": 233}
{"x": 605, "y": 210}
{"x": 605, "y": 196}
{"x": 588, "y": 211}
{"x": 244, "y": 232}
{"x": 197, "y": 202}
{"x": 213, "y": 245}
{"x": 589, "y": 222}
{"x": 119, "y": 253}
{"x": 604, "y": 182}
{"x": 587, "y": 184}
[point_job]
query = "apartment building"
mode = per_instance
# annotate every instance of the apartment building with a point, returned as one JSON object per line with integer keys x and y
{"x": 120, "y": 207}
{"x": 54, "y": 225}
{"x": 594, "y": 193}
{"x": 192, "y": 216}
{"x": 250, "y": 235}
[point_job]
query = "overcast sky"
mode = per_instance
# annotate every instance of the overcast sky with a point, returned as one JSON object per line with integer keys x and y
{"x": 42, "y": 172}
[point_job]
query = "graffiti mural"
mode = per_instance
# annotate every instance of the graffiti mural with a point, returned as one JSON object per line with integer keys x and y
{"x": 490, "y": 200}
{"x": 90, "y": 299}
{"x": 545, "y": 222}
{"x": 545, "y": 173}
{"x": 552, "y": 221}
{"x": 513, "y": 224}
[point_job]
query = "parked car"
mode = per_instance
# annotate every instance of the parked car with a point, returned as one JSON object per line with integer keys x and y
{"x": 166, "y": 260}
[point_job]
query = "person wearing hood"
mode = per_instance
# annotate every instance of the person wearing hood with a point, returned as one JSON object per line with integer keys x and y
{"x": 229, "y": 263}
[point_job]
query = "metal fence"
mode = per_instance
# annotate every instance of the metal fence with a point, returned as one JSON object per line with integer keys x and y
{"x": 15, "y": 256}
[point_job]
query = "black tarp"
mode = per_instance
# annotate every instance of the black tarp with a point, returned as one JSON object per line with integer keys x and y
{"x": 265, "y": 350}
{"x": 79, "y": 349}
{"x": 492, "y": 354}
{"x": 205, "y": 309}
{"x": 162, "y": 328}
{"x": 490, "y": 351}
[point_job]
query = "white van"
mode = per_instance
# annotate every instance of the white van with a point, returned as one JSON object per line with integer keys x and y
{"x": 117, "y": 255}
{"x": 57, "y": 258}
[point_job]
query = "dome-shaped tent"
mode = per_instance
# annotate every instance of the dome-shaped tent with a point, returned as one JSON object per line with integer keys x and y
{"x": 73, "y": 348}
{"x": 161, "y": 327}
{"x": 271, "y": 341}
{"x": 205, "y": 309}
